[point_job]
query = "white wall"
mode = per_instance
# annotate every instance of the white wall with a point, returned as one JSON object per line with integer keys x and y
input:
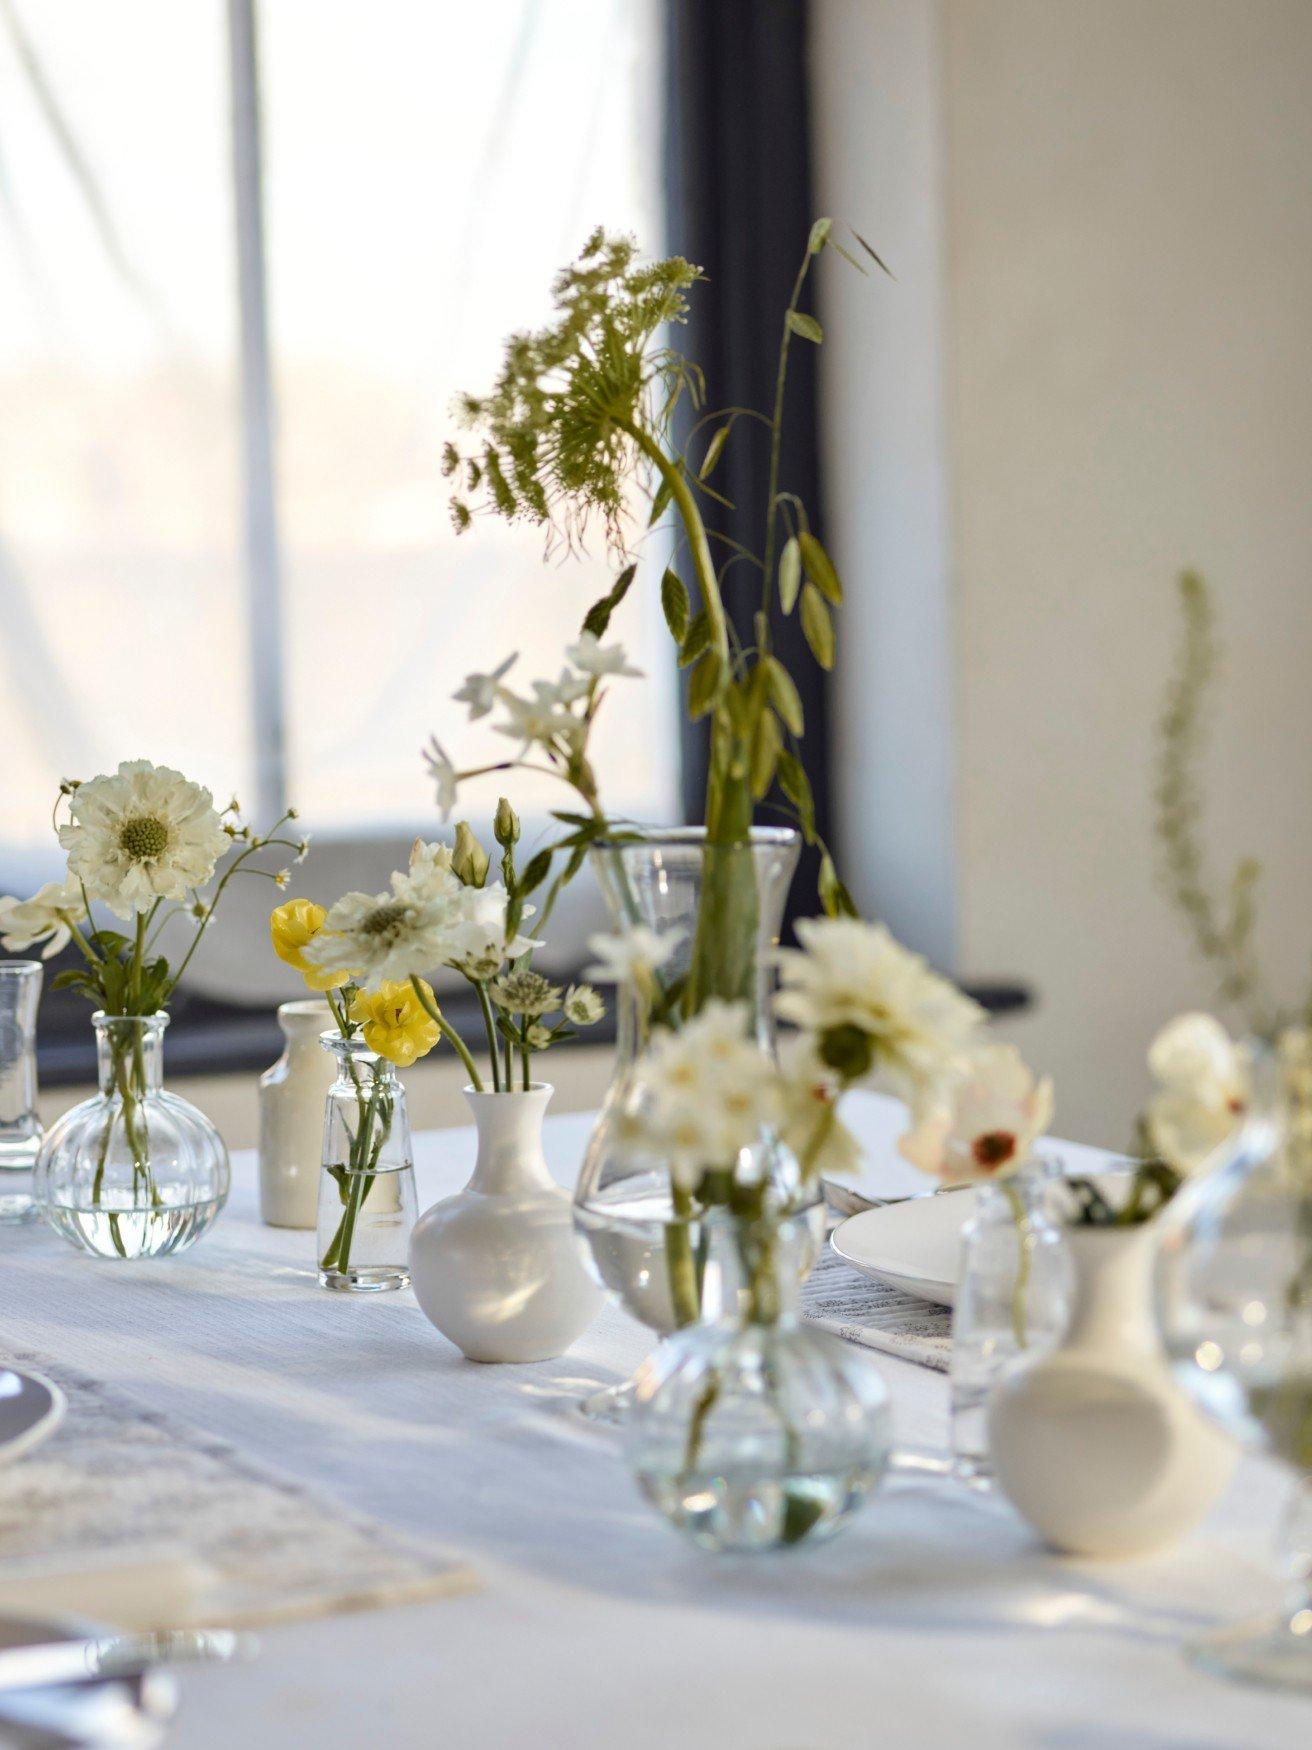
{"x": 1127, "y": 281}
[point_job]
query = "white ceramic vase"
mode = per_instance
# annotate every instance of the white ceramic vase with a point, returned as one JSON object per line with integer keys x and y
{"x": 292, "y": 1096}
{"x": 1094, "y": 1443}
{"x": 499, "y": 1268}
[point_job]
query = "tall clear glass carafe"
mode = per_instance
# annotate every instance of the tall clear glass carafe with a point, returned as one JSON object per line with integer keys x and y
{"x": 646, "y": 1243}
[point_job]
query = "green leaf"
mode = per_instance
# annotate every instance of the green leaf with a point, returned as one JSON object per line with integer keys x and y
{"x": 819, "y": 234}
{"x": 714, "y": 450}
{"x": 817, "y": 626}
{"x": 834, "y": 897}
{"x": 675, "y": 605}
{"x": 784, "y": 695}
{"x": 597, "y": 618}
{"x": 796, "y": 786}
{"x": 820, "y": 568}
{"x": 704, "y": 687}
{"x": 535, "y": 872}
{"x": 660, "y": 504}
{"x": 766, "y": 748}
{"x": 790, "y": 574}
{"x": 805, "y": 326}
{"x": 696, "y": 639}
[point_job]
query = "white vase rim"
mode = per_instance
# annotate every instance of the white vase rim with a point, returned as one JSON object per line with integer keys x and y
{"x": 305, "y": 1006}
{"x": 472, "y": 1093}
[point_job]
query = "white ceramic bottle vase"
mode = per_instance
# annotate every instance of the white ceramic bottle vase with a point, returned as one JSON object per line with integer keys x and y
{"x": 498, "y": 1268}
{"x": 1095, "y": 1444}
{"x": 292, "y": 1096}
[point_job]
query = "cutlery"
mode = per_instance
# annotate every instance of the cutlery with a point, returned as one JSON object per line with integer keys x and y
{"x": 109, "y": 1656}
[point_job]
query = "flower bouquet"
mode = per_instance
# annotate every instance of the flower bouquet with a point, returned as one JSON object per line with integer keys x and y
{"x": 136, "y": 1171}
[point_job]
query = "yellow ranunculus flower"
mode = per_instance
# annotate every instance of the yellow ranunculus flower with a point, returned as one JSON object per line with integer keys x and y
{"x": 291, "y": 927}
{"x": 396, "y": 1024}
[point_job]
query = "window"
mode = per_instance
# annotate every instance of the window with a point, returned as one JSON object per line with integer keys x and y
{"x": 426, "y": 169}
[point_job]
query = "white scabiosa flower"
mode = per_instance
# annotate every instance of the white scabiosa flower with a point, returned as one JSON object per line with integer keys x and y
{"x": 874, "y": 1007}
{"x": 423, "y": 922}
{"x": 43, "y": 918}
{"x": 583, "y": 1006}
{"x": 140, "y": 834}
{"x": 591, "y": 657}
{"x": 631, "y": 956}
{"x": 984, "y": 1121}
{"x": 1202, "y": 1091}
{"x": 480, "y": 690}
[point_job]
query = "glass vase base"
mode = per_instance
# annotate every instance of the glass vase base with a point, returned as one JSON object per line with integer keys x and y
{"x": 1275, "y": 1651}
{"x": 611, "y": 1407}
{"x": 367, "y": 1279}
{"x": 756, "y": 1514}
{"x": 17, "y": 1207}
{"x": 108, "y": 1231}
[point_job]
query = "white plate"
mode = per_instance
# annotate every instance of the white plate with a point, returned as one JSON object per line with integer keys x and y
{"x": 31, "y": 1408}
{"x": 913, "y": 1246}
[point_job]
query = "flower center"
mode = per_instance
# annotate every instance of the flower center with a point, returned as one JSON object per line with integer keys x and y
{"x": 994, "y": 1147}
{"x": 383, "y": 919}
{"x": 143, "y": 838}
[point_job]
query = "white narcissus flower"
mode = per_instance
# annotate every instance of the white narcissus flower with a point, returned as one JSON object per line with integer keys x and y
{"x": 583, "y": 1006}
{"x": 480, "y": 690}
{"x": 543, "y": 718}
{"x": 140, "y": 834}
{"x": 985, "y": 1120}
{"x": 856, "y": 988}
{"x": 1202, "y": 1093}
{"x": 708, "y": 1091}
{"x": 43, "y": 918}
{"x": 632, "y": 955}
{"x": 590, "y": 656}
{"x": 443, "y": 774}
{"x": 809, "y": 1124}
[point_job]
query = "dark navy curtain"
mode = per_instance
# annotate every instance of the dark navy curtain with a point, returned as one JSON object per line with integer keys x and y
{"x": 739, "y": 203}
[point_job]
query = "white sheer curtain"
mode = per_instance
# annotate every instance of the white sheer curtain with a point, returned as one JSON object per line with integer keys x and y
{"x": 426, "y": 169}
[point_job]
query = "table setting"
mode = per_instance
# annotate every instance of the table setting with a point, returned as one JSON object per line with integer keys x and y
{"x": 806, "y": 1391}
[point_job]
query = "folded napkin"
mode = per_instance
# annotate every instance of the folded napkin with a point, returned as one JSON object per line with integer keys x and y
{"x": 128, "y": 1516}
{"x": 840, "y": 1299}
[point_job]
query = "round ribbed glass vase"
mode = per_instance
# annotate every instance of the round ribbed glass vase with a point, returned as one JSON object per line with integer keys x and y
{"x": 367, "y": 1184}
{"x": 135, "y": 1171}
{"x": 721, "y": 909}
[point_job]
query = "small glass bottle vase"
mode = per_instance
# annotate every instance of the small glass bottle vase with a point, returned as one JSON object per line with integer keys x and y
{"x": 1013, "y": 1303}
{"x": 752, "y": 1430}
{"x": 367, "y": 1186}
{"x": 20, "y": 1128}
{"x": 134, "y": 1172}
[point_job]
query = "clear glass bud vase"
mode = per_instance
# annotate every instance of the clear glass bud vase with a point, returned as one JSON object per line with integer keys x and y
{"x": 20, "y": 1127}
{"x": 134, "y": 1172}
{"x": 752, "y": 1430}
{"x": 720, "y": 910}
{"x": 1013, "y": 1302}
{"x": 367, "y": 1186}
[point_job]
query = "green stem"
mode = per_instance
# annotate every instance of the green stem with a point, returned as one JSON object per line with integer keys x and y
{"x": 776, "y": 429}
{"x": 448, "y": 1033}
{"x": 489, "y": 1022}
{"x": 1025, "y": 1248}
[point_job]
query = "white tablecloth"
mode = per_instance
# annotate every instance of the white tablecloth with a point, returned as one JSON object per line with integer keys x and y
{"x": 935, "y": 1619}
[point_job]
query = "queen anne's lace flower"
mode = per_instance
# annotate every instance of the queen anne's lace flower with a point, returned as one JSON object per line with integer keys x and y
{"x": 43, "y": 918}
{"x": 985, "y": 1120}
{"x": 873, "y": 1006}
{"x": 140, "y": 834}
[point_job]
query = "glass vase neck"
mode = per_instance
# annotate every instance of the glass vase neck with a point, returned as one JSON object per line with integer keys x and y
{"x": 356, "y": 1061}
{"x": 752, "y": 1270}
{"x": 659, "y": 881}
{"x": 130, "y": 1050}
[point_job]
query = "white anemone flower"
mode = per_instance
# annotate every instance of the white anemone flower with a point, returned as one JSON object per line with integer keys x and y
{"x": 632, "y": 955}
{"x": 857, "y": 978}
{"x": 45, "y": 917}
{"x": 480, "y": 690}
{"x": 443, "y": 774}
{"x": 141, "y": 834}
{"x": 591, "y": 657}
{"x": 1203, "y": 1090}
{"x": 984, "y": 1121}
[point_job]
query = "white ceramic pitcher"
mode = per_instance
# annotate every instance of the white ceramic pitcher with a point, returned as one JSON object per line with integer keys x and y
{"x": 499, "y": 1268}
{"x": 1095, "y": 1444}
{"x": 292, "y": 1096}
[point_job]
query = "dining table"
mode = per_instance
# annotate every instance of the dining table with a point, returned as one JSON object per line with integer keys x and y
{"x": 936, "y": 1617}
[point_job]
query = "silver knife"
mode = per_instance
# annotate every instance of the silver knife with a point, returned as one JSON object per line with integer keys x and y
{"x": 108, "y": 1656}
